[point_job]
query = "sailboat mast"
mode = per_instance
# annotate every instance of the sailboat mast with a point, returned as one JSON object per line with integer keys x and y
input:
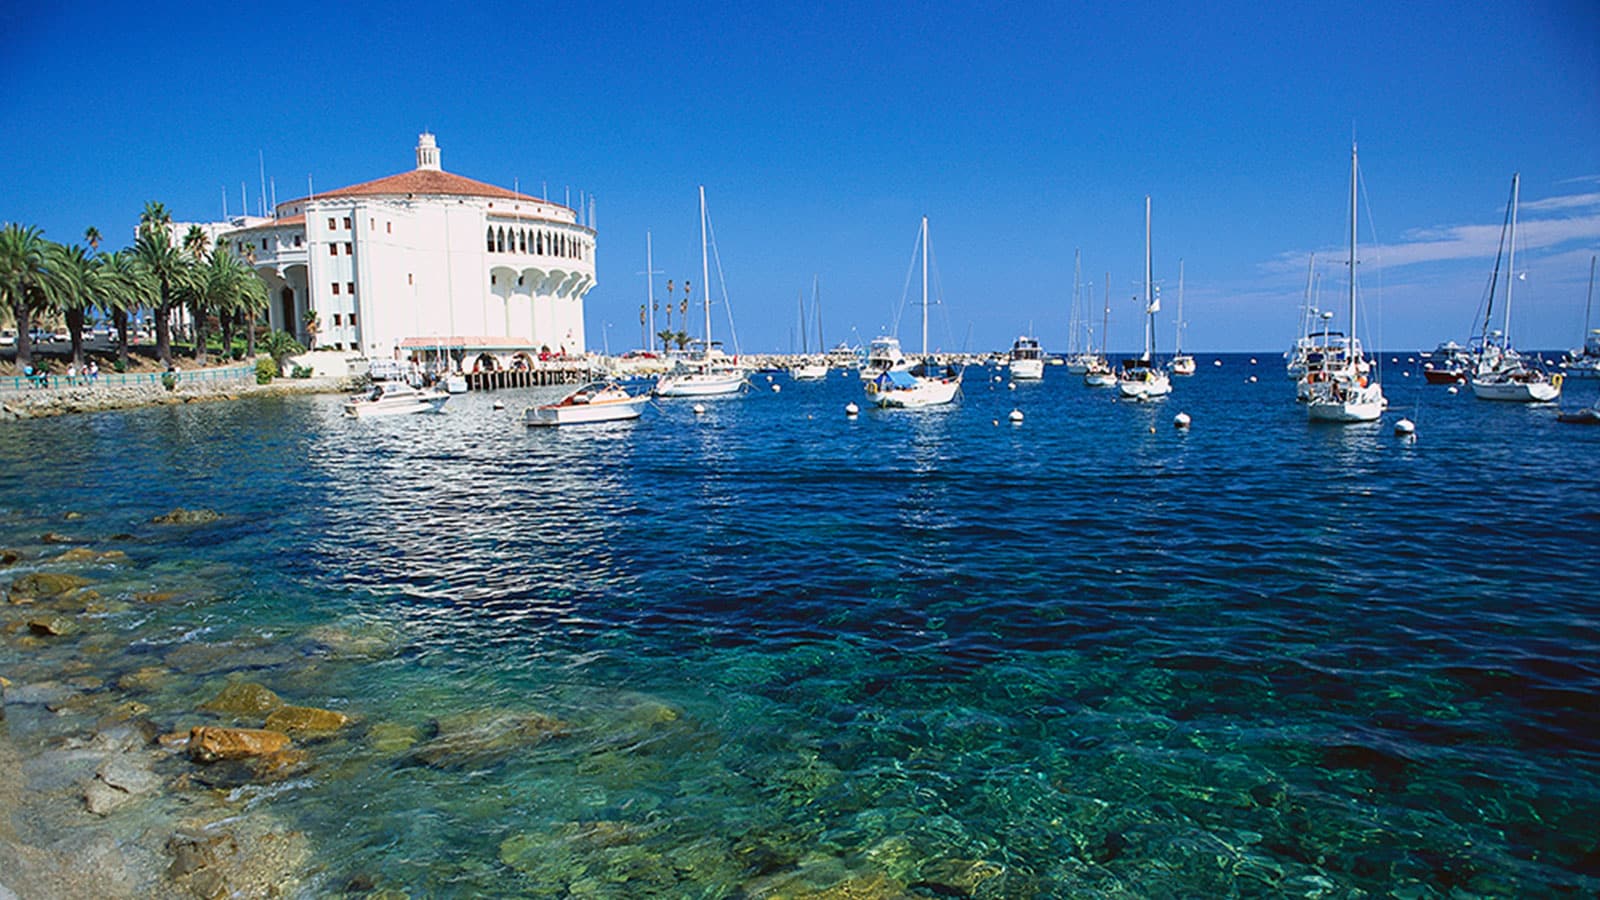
{"x": 1073, "y": 325}
{"x": 1149, "y": 295}
{"x": 816, "y": 304}
{"x": 924, "y": 286}
{"x": 801, "y": 296}
{"x": 705, "y": 268}
{"x": 1178, "y": 348}
{"x": 1511, "y": 256}
{"x": 1105, "y": 319}
{"x": 1588, "y": 302}
{"x": 650, "y": 292}
{"x": 1352, "y": 245}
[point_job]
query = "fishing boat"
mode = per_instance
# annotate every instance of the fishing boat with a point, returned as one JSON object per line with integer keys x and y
{"x": 1502, "y": 373}
{"x": 1182, "y": 363}
{"x": 927, "y": 382}
{"x": 883, "y": 355}
{"x": 707, "y": 371}
{"x": 1585, "y": 363}
{"x": 597, "y": 401}
{"x": 810, "y": 368}
{"x": 1343, "y": 391}
{"x": 394, "y": 398}
{"x": 1142, "y": 378}
{"x": 1026, "y": 359}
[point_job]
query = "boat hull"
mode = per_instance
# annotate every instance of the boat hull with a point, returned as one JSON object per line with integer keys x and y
{"x": 1027, "y": 369}
{"x": 1516, "y": 391}
{"x": 1183, "y": 365}
{"x": 1145, "y": 388}
{"x": 809, "y": 372}
{"x": 1100, "y": 379}
{"x": 699, "y": 384}
{"x": 926, "y": 392}
{"x": 1346, "y": 404}
{"x": 586, "y": 413}
{"x": 398, "y": 406}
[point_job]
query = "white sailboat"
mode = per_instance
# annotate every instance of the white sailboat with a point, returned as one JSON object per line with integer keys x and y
{"x": 1142, "y": 379}
{"x": 1343, "y": 392}
{"x": 1182, "y": 363}
{"x": 1502, "y": 372}
{"x": 925, "y": 383}
{"x": 708, "y": 371}
{"x": 1585, "y": 363}
{"x": 810, "y": 368}
{"x": 1098, "y": 371}
{"x": 1079, "y": 359}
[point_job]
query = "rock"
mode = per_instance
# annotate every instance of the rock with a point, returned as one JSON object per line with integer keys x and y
{"x": 209, "y": 743}
{"x": 50, "y": 537}
{"x": 102, "y": 798}
{"x": 250, "y": 857}
{"x": 154, "y": 596}
{"x": 146, "y": 678}
{"x": 267, "y": 769}
{"x": 393, "y": 737}
{"x": 472, "y": 739}
{"x": 181, "y": 516}
{"x": 130, "y": 773}
{"x": 243, "y": 699}
{"x": 52, "y": 626}
{"x": 306, "y": 721}
{"x": 9, "y": 557}
{"x": 42, "y": 693}
{"x": 84, "y": 554}
{"x": 46, "y": 584}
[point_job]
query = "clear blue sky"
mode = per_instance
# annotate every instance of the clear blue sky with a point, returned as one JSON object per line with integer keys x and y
{"x": 824, "y": 131}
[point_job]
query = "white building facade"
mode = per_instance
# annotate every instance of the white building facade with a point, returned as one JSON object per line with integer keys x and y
{"x": 421, "y": 261}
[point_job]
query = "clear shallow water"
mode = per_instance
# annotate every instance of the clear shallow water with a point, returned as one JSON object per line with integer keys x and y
{"x": 1090, "y": 655}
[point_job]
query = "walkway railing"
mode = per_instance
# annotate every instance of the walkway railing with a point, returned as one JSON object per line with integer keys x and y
{"x": 57, "y": 380}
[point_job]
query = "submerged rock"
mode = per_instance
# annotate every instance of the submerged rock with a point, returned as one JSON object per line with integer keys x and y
{"x": 243, "y": 699}
{"x": 181, "y": 516}
{"x": 306, "y": 721}
{"x": 248, "y": 857}
{"x": 9, "y": 557}
{"x": 45, "y": 584}
{"x": 393, "y": 737}
{"x": 52, "y": 626}
{"x": 209, "y": 743}
{"x": 472, "y": 739}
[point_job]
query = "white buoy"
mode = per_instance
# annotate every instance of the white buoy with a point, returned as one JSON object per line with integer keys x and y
{"x": 1015, "y": 417}
{"x": 699, "y": 410}
{"x": 777, "y": 388}
{"x": 1453, "y": 390}
{"x": 1405, "y": 374}
{"x": 1411, "y": 359}
{"x": 1252, "y": 360}
{"x": 1405, "y": 428}
{"x": 1181, "y": 420}
{"x": 499, "y": 404}
{"x": 1252, "y": 379}
{"x": 998, "y": 378}
{"x": 769, "y": 378}
{"x": 1216, "y": 362}
{"x": 1012, "y": 386}
{"x": 850, "y": 409}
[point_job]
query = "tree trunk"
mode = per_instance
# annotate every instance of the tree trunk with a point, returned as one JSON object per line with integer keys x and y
{"x": 19, "y": 311}
{"x": 227, "y": 338}
{"x": 120, "y": 319}
{"x": 197, "y": 327}
{"x": 163, "y": 313}
{"x": 75, "y": 319}
{"x": 250, "y": 336}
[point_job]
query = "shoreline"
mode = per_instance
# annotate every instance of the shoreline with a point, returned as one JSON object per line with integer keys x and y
{"x": 47, "y": 403}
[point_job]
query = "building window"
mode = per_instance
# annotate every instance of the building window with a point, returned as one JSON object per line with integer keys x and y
{"x": 297, "y": 239}
{"x": 491, "y": 238}
{"x": 336, "y": 288}
{"x": 388, "y": 228}
{"x": 522, "y": 241}
{"x": 500, "y": 241}
{"x": 541, "y": 243}
{"x": 332, "y": 224}
{"x": 493, "y": 278}
{"x": 350, "y": 288}
{"x": 372, "y": 223}
{"x": 346, "y": 223}
{"x": 336, "y": 318}
{"x": 411, "y": 278}
{"x": 333, "y": 249}
{"x": 352, "y": 320}
{"x": 347, "y": 250}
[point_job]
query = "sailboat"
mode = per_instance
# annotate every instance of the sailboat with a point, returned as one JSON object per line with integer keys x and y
{"x": 1182, "y": 363}
{"x": 1078, "y": 361}
{"x": 1098, "y": 372}
{"x": 1585, "y": 363}
{"x": 708, "y": 371}
{"x": 926, "y": 382}
{"x": 1502, "y": 373}
{"x": 1142, "y": 379}
{"x": 811, "y": 368}
{"x": 1341, "y": 391}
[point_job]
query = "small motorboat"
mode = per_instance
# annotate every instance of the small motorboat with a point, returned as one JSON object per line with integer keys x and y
{"x": 394, "y": 398}
{"x": 1588, "y": 415}
{"x": 597, "y": 401}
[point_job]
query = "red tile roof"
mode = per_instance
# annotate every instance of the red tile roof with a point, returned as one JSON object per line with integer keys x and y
{"x": 429, "y": 181}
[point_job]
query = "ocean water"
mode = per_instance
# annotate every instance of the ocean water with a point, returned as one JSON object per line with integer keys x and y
{"x": 770, "y": 651}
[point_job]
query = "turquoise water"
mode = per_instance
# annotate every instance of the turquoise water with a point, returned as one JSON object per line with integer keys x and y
{"x": 769, "y": 650}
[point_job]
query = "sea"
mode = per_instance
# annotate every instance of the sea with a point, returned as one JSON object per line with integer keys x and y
{"x": 768, "y": 649}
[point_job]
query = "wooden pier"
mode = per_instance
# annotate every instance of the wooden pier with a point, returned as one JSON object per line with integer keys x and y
{"x": 541, "y": 374}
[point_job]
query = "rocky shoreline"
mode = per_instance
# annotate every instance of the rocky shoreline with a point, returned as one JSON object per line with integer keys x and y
{"x": 44, "y": 403}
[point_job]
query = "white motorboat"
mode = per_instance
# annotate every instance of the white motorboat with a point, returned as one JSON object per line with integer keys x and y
{"x": 456, "y": 384}
{"x": 1504, "y": 374}
{"x": 883, "y": 354}
{"x": 394, "y": 398}
{"x": 809, "y": 370}
{"x": 597, "y": 401}
{"x": 1142, "y": 378}
{"x": 707, "y": 372}
{"x": 1344, "y": 393}
{"x": 1026, "y": 359}
{"x": 928, "y": 382}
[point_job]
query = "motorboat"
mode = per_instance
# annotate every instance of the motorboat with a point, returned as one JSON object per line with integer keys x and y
{"x": 394, "y": 398}
{"x": 1450, "y": 363}
{"x": 883, "y": 354}
{"x": 596, "y": 401}
{"x": 1026, "y": 359}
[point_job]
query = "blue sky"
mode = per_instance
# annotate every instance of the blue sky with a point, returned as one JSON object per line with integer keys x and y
{"x": 822, "y": 132}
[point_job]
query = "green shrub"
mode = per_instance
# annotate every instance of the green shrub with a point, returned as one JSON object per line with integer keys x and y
{"x": 266, "y": 370}
{"x": 300, "y": 372}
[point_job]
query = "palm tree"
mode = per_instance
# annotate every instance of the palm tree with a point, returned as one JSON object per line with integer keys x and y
{"x": 26, "y": 284}
{"x": 681, "y": 338}
{"x": 91, "y": 236}
{"x": 195, "y": 243}
{"x": 74, "y": 272}
{"x": 163, "y": 265}
{"x": 124, "y": 291}
{"x": 666, "y": 335}
{"x": 255, "y": 300}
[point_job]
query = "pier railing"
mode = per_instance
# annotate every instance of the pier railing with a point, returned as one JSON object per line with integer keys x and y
{"x": 61, "y": 381}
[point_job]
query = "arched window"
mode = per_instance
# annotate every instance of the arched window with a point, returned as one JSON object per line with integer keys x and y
{"x": 522, "y": 240}
{"x": 491, "y": 238}
{"x": 500, "y": 242}
{"x": 540, "y": 238}
{"x": 563, "y": 245}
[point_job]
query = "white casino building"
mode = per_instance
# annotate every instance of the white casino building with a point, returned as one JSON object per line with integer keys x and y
{"x": 423, "y": 262}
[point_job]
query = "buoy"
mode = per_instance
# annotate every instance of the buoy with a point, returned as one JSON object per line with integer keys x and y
{"x": 1152, "y": 429}
{"x": 777, "y": 388}
{"x": 699, "y": 410}
{"x": 850, "y": 409}
{"x": 499, "y": 404}
{"x": 998, "y": 378}
{"x": 1453, "y": 390}
{"x": 1394, "y": 359}
{"x": 1252, "y": 360}
{"x": 1405, "y": 427}
{"x": 769, "y": 378}
{"x": 1411, "y": 359}
{"x": 1405, "y": 374}
{"x": 995, "y": 422}
{"x": 1216, "y": 362}
{"x": 1015, "y": 417}
{"x": 1012, "y": 386}
{"x": 1252, "y": 379}
{"x": 1181, "y": 420}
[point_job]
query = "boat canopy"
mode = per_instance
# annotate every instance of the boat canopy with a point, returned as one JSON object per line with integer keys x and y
{"x": 899, "y": 378}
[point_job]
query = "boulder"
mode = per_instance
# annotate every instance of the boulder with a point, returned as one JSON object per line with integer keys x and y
{"x": 9, "y": 557}
{"x": 393, "y": 737}
{"x": 85, "y": 555}
{"x": 472, "y": 739}
{"x": 46, "y": 584}
{"x": 243, "y": 857}
{"x": 209, "y": 743}
{"x": 181, "y": 516}
{"x": 243, "y": 699}
{"x": 52, "y": 626}
{"x": 306, "y": 721}
{"x": 145, "y": 678}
